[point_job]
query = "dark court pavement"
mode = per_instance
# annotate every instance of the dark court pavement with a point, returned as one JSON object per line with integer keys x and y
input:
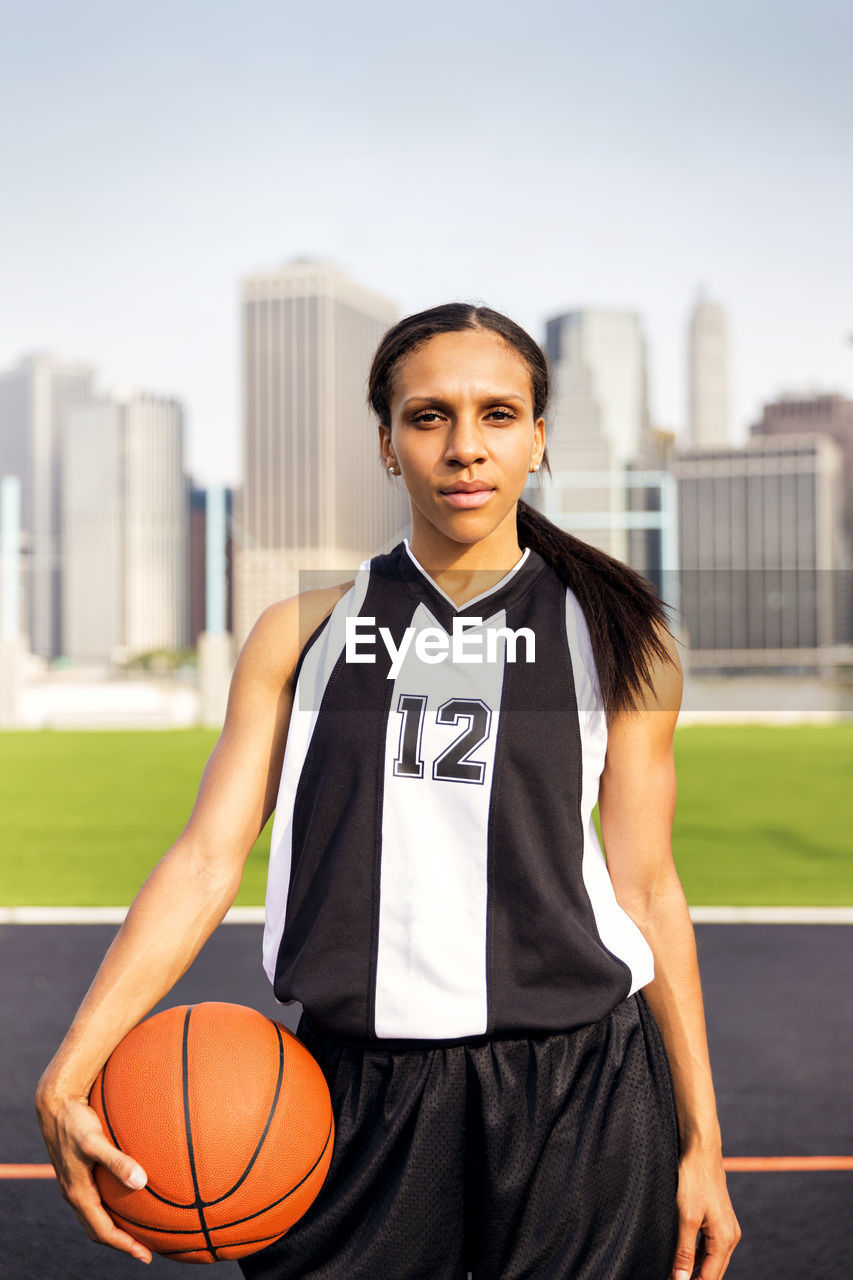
{"x": 779, "y": 1005}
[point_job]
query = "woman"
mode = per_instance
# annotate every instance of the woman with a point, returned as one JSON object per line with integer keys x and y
{"x": 471, "y": 976}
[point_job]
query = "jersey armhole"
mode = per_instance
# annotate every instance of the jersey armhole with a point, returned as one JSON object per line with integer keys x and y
{"x": 315, "y": 634}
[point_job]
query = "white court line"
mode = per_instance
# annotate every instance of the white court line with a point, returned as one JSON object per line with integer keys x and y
{"x": 104, "y": 915}
{"x": 771, "y": 915}
{"x": 255, "y": 915}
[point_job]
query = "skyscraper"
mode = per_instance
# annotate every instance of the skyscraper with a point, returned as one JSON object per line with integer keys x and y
{"x": 762, "y": 553}
{"x": 709, "y": 421}
{"x": 198, "y": 562}
{"x": 600, "y": 414}
{"x": 92, "y": 501}
{"x": 35, "y": 399}
{"x": 828, "y": 414}
{"x": 315, "y": 495}
{"x": 125, "y": 528}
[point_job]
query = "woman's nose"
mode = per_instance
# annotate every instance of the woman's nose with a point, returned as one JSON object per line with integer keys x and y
{"x": 465, "y": 443}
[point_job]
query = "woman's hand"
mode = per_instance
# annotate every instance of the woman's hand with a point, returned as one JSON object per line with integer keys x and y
{"x": 703, "y": 1206}
{"x": 76, "y": 1142}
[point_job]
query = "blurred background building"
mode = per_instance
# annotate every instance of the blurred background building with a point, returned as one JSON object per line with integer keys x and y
{"x": 125, "y": 529}
{"x": 35, "y": 399}
{"x": 599, "y": 421}
{"x": 762, "y": 550}
{"x": 315, "y": 495}
{"x": 197, "y": 561}
{"x": 827, "y": 414}
{"x": 708, "y": 382}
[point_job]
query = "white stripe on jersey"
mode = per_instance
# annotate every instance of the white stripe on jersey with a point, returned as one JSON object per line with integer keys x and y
{"x": 431, "y": 959}
{"x": 615, "y": 927}
{"x": 313, "y": 676}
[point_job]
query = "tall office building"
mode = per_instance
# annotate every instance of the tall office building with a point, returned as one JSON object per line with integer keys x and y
{"x": 827, "y": 414}
{"x": 709, "y": 418}
{"x": 198, "y": 562}
{"x": 125, "y": 529}
{"x": 600, "y": 416}
{"x": 35, "y": 399}
{"x": 763, "y": 558}
{"x": 315, "y": 495}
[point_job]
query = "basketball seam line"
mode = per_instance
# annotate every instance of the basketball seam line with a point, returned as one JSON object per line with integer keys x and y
{"x": 199, "y": 1204}
{"x": 244, "y": 1175}
{"x": 232, "y": 1244}
{"x": 115, "y": 1212}
{"x": 207, "y": 1204}
{"x": 236, "y": 1222}
{"x": 104, "y": 1107}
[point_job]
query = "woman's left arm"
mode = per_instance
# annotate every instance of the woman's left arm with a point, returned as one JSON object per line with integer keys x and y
{"x": 636, "y": 806}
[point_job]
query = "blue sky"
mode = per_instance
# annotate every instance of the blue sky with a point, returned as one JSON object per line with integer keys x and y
{"x": 535, "y": 156}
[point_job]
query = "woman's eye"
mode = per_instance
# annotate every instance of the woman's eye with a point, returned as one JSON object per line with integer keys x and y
{"x": 428, "y": 416}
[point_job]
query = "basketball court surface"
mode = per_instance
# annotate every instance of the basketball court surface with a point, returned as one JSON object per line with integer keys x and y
{"x": 779, "y": 1005}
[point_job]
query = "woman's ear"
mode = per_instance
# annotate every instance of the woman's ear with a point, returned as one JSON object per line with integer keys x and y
{"x": 538, "y": 444}
{"x": 386, "y": 452}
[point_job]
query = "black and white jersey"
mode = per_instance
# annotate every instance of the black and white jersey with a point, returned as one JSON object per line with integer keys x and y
{"x": 435, "y": 871}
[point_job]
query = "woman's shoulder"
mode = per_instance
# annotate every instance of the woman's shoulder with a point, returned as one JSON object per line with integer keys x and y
{"x": 661, "y": 691}
{"x": 301, "y": 615}
{"x": 283, "y": 628}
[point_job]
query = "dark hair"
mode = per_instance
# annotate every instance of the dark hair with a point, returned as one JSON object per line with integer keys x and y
{"x": 623, "y": 611}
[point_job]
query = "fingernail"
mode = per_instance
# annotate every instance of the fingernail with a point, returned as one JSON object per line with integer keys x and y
{"x": 137, "y": 1179}
{"x": 682, "y": 1275}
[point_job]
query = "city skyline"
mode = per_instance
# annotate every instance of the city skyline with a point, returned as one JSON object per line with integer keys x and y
{"x": 199, "y": 470}
{"x": 105, "y": 494}
{"x": 564, "y": 161}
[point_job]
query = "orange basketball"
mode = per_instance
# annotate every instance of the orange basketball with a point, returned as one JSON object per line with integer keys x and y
{"x": 229, "y": 1115}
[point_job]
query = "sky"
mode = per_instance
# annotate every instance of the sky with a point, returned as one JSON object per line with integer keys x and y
{"x": 538, "y": 157}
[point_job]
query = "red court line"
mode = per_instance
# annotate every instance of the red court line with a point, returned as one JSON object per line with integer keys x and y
{"x": 732, "y": 1164}
{"x": 804, "y": 1164}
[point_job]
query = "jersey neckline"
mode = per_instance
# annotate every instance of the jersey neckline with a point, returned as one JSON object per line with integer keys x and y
{"x": 401, "y": 564}
{"x": 484, "y": 595}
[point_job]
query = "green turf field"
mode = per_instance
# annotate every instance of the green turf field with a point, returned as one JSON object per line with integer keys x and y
{"x": 764, "y": 816}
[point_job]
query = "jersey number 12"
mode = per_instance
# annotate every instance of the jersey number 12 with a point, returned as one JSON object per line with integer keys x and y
{"x": 455, "y": 763}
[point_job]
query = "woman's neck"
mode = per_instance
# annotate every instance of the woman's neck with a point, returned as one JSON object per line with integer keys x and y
{"x": 465, "y": 570}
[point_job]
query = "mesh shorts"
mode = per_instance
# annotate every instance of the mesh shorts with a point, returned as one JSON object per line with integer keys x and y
{"x": 548, "y": 1156}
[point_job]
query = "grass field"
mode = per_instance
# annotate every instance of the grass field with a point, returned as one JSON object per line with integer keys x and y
{"x": 764, "y": 815}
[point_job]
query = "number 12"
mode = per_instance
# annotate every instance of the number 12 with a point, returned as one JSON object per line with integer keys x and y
{"x": 454, "y": 764}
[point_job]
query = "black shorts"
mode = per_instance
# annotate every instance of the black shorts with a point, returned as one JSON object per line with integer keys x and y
{"x": 548, "y": 1156}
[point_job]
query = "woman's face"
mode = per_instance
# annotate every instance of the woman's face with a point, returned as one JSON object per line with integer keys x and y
{"x": 462, "y": 417}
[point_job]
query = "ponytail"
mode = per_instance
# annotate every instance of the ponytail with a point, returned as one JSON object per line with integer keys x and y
{"x": 622, "y": 609}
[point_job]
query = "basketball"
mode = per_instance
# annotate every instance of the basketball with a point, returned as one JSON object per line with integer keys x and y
{"x": 229, "y": 1115}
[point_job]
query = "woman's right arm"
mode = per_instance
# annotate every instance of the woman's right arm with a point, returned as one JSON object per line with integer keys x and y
{"x": 178, "y": 907}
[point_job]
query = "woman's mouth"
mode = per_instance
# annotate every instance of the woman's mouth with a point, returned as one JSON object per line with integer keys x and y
{"x": 461, "y": 498}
